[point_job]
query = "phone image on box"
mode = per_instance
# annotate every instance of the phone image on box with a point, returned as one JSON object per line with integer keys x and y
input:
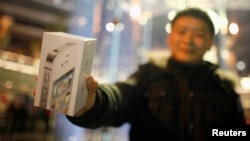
{"x": 61, "y": 92}
{"x": 57, "y": 78}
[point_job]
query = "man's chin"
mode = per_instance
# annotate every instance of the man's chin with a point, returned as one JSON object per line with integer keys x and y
{"x": 189, "y": 61}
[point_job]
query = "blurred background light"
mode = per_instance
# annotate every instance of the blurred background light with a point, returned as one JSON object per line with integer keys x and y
{"x": 233, "y": 28}
{"x": 110, "y": 27}
{"x": 168, "y": 27}
{"x": 82, "y": 21}
{"x": 119, "y": 26}
{"x": 171, "y": 15}
{"x": 135, "y": 11}
{"x": 240, "y": 65}
{"x": 8, "y": 84}
{"x": 245, "y": 83}
{"x": 216, "y": 20}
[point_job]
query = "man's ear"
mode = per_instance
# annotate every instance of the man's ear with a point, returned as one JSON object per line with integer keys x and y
{"x": 210, "y": 45}
{"x": 168, "y": 39}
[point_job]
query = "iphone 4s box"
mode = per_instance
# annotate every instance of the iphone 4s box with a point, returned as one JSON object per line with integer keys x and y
{"x": 65, "y": 63}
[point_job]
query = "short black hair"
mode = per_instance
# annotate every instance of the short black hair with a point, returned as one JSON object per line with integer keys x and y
{"x": 197, "y": 13}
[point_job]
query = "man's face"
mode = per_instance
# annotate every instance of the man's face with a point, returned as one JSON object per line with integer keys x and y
{"x": 189, "y": 39}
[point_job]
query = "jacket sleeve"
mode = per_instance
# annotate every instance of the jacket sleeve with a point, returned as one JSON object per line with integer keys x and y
{"x": 115, "y": 105}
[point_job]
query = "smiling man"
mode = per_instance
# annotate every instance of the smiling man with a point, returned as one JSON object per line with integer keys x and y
{"x": 190, "y": 38}
{"x": 179, "y": 101}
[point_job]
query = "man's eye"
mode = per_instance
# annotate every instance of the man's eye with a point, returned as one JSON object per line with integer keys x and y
{"x": 201, "y": 35}
{"x": 181, "y": 32}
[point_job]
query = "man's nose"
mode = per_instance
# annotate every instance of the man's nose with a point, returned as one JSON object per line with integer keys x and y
{"x": 188, "y": 38}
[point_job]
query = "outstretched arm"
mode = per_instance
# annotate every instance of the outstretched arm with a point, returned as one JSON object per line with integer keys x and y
{"x": 107, "y": 104}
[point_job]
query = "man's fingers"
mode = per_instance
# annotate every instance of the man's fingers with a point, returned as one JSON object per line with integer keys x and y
{"x": 91, "y": 84}
{"x": 92, "y": 87}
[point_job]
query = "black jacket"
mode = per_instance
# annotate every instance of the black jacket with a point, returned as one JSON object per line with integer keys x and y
{"x": 175, "y": 102}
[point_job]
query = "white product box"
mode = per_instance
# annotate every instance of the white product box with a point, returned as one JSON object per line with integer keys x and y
{"x": 65, "y": 62}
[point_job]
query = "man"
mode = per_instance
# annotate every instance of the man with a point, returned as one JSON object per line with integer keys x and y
{"x": 180, "y": 101}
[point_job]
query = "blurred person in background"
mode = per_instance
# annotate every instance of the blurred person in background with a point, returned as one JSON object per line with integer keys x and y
{"x": 5, "y": 24}
{"x": 17, "y": 113}
{"x": 180, "y": 98}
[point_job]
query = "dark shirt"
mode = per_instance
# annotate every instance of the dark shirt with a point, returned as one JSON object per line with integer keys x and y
{"x": 176, "y": 102}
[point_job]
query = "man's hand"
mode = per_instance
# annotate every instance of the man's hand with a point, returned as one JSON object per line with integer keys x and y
{"x": 92, "y": 87}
